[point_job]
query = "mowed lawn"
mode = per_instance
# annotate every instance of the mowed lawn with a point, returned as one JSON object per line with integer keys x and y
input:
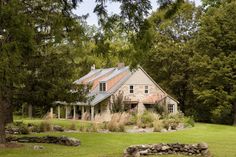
{"x": 221, "y": 140}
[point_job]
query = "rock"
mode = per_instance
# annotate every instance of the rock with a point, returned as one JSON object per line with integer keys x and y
{"x": 144, "y": 152}
{"x": 58, "y": 128}
{"x": 163, "y": 130}
{"x": 165, "y": 147}
{"x": 180, "y": 126}
{"x": 203, "y": 145}
{"x": 38, "y": 147}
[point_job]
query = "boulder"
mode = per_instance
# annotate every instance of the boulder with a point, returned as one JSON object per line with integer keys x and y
{"x": 36, "y": 147}
{"x": 203, "y": 145}
{"x": 58, "y": 128}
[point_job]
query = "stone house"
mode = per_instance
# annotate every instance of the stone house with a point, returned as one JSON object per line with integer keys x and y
{"x": 135, "y": 90}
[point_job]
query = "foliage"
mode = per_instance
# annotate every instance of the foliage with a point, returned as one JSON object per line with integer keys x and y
{"x": 45, "y": 126}
{"x": 215, "y": 58}
{"x": 117, "y": 103}
{"x": 72, "y": 126}
{"x": 118, "y": 122}
{"x": 189, "y": 121}
{"x": 160, "y": 109}
{"x": 146, "y": 119}
{"x": 18, "y": 127}
{"x": 157, "y": 125}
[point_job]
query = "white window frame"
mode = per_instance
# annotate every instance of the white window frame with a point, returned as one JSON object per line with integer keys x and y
{"x": 131, "y": 89}
{"x": 146, "y": 90}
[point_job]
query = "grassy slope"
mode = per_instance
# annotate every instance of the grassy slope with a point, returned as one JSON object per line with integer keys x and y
{"x": 221, "y": 140}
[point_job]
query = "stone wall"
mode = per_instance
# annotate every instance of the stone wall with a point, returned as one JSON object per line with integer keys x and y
{"x": 46, "y": 139}
{"x": 200, "y": 149}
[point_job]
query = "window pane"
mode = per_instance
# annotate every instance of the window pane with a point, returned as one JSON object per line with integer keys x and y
{"x": 170, "y": 108}
{"x": 146, "y": 89}
{"x": 102, "y": 87}
{"x": 131, "y": 89}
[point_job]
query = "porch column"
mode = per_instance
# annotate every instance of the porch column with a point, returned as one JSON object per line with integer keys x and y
{"x": 51, "y": 112}
{"x": 82, "y": 115}
{"x": 74, "y": 111}
{"x": 141, "y": 108}
{"x": 66, "y": 116}
{"x": 58, "y": 112}
{"x": 92, "y": 113}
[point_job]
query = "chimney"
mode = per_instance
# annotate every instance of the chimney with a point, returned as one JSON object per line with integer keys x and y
{"x": 120, "y": 65}
{"x": 93, "y": 67}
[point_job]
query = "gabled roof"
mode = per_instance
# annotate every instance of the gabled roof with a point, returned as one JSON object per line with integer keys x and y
{"x": 167, "y": 95}
{"x": 108, "y": 74}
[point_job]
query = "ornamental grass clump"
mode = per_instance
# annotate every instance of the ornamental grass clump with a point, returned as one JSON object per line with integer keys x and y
{"x": 73, "y": 126}
{"x": 45, "y": 126}
{"x": 157, "y": 126}
{"x": 118, "y": 122}
{"x": 146, "y": 119}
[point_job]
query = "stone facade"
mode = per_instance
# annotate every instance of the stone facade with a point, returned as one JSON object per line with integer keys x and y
{"x": 139, "y": 80}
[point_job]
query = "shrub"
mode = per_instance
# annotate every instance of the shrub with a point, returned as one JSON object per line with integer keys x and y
{"x": 117, "y": 122}
{"x": 146, "y": 119}
{"x": 189, "y": 122}
{"x": 116, "y": 127}
{"x": 23, "y": 129}
{"x": 95, "y": 127}
{"x": 158, "y": 126}
{"x": 72, "y": 126}
{"x": 17, "y": 127}
{"x": 133, "y": 120}
{"x": 82, "y": 128}
{"x": 34, "y": 128}
{"x": 160, "y": 109}
{"x": 45, "y": 126}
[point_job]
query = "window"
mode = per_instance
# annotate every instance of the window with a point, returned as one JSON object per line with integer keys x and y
{"x": 131, "y": 89}
{"x": 102, "y": 87}
{"x": 170, "y": 108}
{"x": 146, "y": 89}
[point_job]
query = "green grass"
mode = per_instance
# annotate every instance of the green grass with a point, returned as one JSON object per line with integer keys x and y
{"x": 221, "y": 140}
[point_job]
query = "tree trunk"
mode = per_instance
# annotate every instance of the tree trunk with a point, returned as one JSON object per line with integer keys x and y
{"x": 234, "y": 113}
{"x": 9, "y": 114}
{"x": 2, "y": 122}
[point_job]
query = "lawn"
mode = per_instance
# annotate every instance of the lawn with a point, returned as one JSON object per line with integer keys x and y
{"x": 221, "y": 140}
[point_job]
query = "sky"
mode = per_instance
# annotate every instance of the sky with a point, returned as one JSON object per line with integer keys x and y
{"x": 87, "y": 6}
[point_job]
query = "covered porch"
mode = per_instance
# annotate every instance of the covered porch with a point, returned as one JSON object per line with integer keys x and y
{"x": 73, "y": 111}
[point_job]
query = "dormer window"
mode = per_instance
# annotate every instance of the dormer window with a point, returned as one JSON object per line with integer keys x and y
{"x": 102, "y": 86}
{"x": 131, "y": 89}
